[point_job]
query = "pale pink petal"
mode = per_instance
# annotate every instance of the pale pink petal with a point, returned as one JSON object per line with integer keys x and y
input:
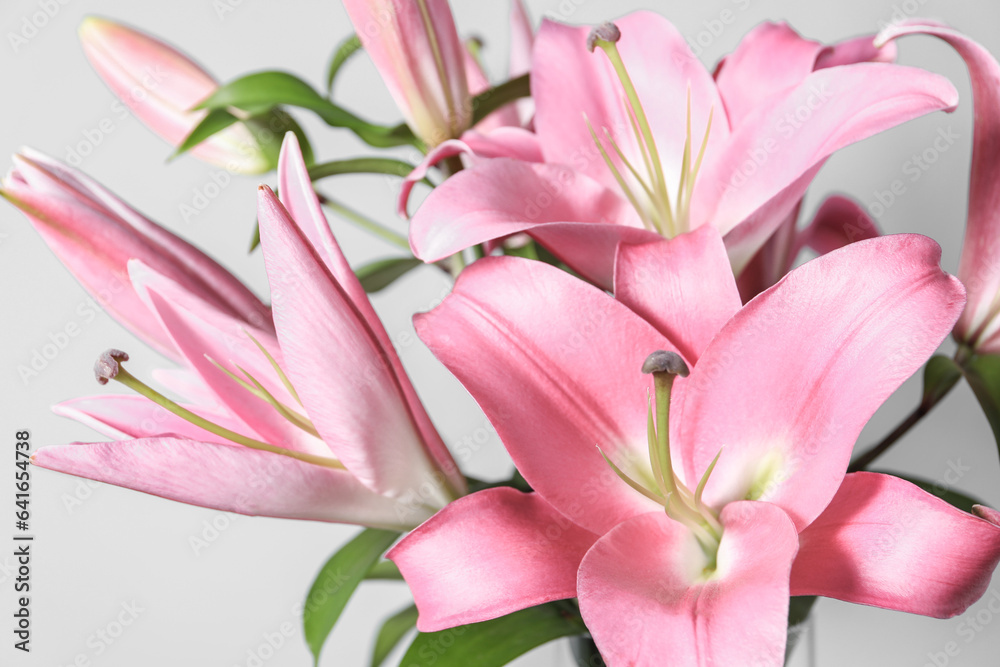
{"x": 442, "y": 151}
{"x": 979, "y": 268}
{"x": 300, "y": 200}
{"x": 185, "y": 383}
{"x": 556, "y": 366}
{"x": 502, "y": 197}
{"x": 338, "y": 366}
{"x": 522, "y": 39}
{"x": 647, "y": 601}
{"x": 786, "y": 387}
{"x": 207, "y": 340}
{"x": 130, "y": 416}
{"x": 231, "y": 479}
{"x": 778, "y": 143}
{"x": 490, "y": 554}
{"x": 568, "y": 83}
{"x": 884, "y": 542}
{"x": 416, "y": 49}
{"x": 684, "y": 287}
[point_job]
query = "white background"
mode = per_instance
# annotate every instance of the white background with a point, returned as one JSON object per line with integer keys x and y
{"x": 117, "y": 547}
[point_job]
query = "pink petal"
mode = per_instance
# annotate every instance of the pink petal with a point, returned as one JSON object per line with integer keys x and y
{"x": 568, "y": 84}
{"x": 505, "y": 116}
{"x": 556, "y": 366}
{"x": 490, "y": 554}
{"x": 856, "y": 50}
{"x": 786, "y": 387}
{"x": 205, "y": 338}
{"x": 95, "y": 234}
{"x": 522, "y": 39}
{"x": 684, "y": 287}
{"x": 303, "y": 205}
{"x": 776, "y": 145}
{"x": 160, "y": 84}
{"x": 416, "y": 49}
{"x": 231, "y": 479}
{"x": 338, "y": 366}
{"x": 838, "y": 222}
{"x": 886, "y": 543}
{"x": 502, "y": 197}
{"x": 647, "y": 603}
{"x": 978, "y": 268}
{"x": 512, "y": 142}
{"x": 130, "y": 416}
{"x": 774, "y": 259}
{"x": 768, "y": 61}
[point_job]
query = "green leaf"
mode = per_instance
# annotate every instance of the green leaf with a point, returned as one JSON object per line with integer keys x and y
{"x": 983, "y": 374}
{"x": 255, "y": 239}
{"x": 959, "y": 500}
{"x": 941, "y": 374}
{"x": 361, "y": 165}
{"x": 215, "y": 121}
{"x": 492, "y": 99}
{"x": 336, "y": 582}
{"x": 494, "y": 643}
{"x": 262, "y": 90}
{"x": 345, "y": 50}
{"x": 385, "y": 571}
{"x": 379, "y": 275}
{"x": 392, "y": 632}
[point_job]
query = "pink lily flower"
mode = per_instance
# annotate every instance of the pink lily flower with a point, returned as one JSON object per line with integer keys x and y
{"x": 95, "y": 234}
{"x": 160, "y": 85}
{"x": 684, "y": 536}
{"x": 979, "y": 268}
{"x": 640, "y": 141}
{"x": 416, "y": 49}
{"x": 313, "y": 419}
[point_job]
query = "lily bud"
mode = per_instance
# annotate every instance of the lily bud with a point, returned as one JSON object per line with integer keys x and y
{"x": 416, "y": 49}
{"x": 160, "y": 85}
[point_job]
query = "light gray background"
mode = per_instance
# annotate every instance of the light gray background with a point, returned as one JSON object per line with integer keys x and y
{"x": 118, "y": 547}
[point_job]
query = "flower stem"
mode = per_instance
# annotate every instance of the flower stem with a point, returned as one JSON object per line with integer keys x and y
{"x": 367, "y": 223}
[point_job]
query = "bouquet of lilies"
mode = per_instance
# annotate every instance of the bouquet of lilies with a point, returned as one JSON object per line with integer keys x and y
{"x": 678, "y": 366}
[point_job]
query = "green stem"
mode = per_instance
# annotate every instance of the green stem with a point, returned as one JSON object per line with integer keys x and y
{"x": 361, "y": 165}
{"x": 367, "y": 223}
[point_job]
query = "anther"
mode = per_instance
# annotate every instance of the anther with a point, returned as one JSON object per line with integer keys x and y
{"x": 606, "y": 32}
{"x": 663, "y": 361}
{"x": 106, "y": 367}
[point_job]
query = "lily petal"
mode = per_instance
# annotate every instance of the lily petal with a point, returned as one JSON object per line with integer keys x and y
{"x": 829, "y": 109}
{"x": 303, "y": 205}
{"x": 502, "y": 197}
{"x": 556, "y": 366}
{"x": 95, "y": 234}
{"x": 887, "y": 543}
{"x": 490, "y": 554}
{"x": 787, "y": 403}
{"x": 647, "y": 601}
{"x": 231, "y": 479}
{"x": 979, "y": 268}
{"x": 838, "y": 222}
{"x": 684, "y": 287}
{"x": 338, "y": 367}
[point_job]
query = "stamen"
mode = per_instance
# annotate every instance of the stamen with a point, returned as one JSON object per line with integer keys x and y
{"x": 626, "y": 190}
{"x": 108, "y": 367}
{"x": 277, "y": 369}
{"x": 606, "y": 32}
{"x": 631, "y": 482}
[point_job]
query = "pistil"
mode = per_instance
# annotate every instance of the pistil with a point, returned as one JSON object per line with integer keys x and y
{"x": 109, "y": 367}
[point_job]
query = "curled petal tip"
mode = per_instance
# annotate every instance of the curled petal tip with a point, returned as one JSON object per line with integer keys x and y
{"x": 662, "y": 361}
{"x": 106, "y": 367}
{"x": 606, "y": 32}
{"x": 987, "y": 513}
